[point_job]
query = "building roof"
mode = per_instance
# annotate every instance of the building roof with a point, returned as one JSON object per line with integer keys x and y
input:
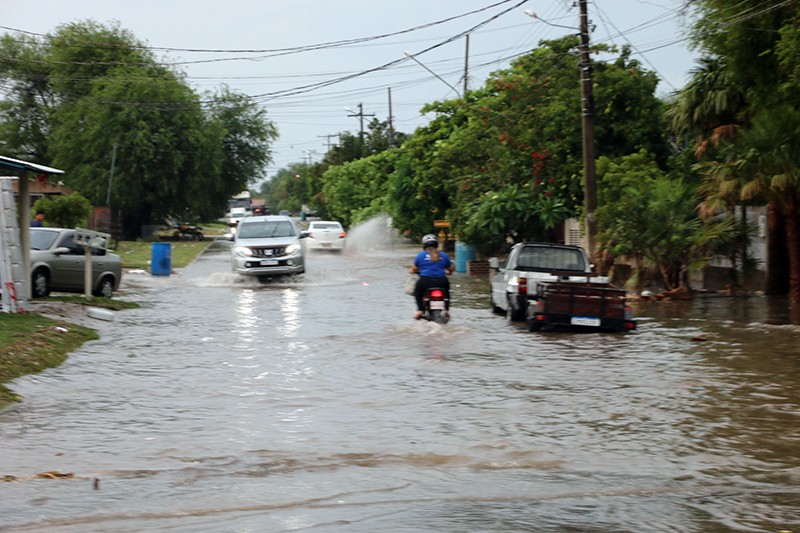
{"x": 18, "y": 164}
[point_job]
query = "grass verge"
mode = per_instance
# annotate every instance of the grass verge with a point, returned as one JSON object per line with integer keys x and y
{"x": 137, "y": 254}
{"x": 30, "y": 343}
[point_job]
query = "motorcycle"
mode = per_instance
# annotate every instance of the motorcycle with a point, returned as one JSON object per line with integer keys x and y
{"x": 187, "y": 231}
{"x": 434, "y": 306}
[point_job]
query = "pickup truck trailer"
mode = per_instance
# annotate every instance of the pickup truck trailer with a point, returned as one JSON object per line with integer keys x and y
{"x": 580, "y": 305}
{"x": 554, "y": 285}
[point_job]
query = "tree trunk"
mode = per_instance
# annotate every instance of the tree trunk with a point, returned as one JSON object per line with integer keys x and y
{"x": 777, "y": 256}
{"x": 793, "y": 245}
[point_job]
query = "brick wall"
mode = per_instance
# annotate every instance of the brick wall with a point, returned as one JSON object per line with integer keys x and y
{"x": 478, "y": 267}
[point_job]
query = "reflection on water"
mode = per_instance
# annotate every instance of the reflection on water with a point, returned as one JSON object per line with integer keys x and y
{"x": 316, "y": 403}
{"x": 290, "y": 307}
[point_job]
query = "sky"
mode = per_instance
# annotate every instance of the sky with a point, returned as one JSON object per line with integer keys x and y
{"x": 312, "y": 63}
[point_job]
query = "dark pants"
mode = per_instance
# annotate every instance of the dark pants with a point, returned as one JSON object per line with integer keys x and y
{"x": 424, "y": 283}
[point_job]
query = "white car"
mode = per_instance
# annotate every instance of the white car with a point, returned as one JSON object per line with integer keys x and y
{"x": 267, "y": 246}
{"x": 326, "y": 234}
{"x": 235, "y": 216}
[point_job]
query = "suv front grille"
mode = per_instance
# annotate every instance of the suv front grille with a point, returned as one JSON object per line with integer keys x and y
{"x": 269, "y": 251}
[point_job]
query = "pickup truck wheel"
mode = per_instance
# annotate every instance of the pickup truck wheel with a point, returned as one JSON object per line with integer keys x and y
{"x": 496, "y": 310}
{"x": 514, "y": 315}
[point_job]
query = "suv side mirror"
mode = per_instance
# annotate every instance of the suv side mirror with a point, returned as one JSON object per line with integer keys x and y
{"x": 304, "y": 234}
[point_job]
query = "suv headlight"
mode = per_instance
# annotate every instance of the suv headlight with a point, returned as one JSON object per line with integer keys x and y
{"x": 244, "y": 251}
{"x": 293, "y": 249}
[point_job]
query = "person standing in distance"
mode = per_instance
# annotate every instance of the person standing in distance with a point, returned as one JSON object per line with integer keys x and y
{"x": 433, "y": 267}
{"x": 38, "y": 220}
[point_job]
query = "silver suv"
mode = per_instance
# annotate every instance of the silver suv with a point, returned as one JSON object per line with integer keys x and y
{"x": 267, "y": 246}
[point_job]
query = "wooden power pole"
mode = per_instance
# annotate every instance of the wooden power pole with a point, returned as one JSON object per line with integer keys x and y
{"x": 587, "y": 125}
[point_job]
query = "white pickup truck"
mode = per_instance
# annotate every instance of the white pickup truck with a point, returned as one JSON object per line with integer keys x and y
{"x": 554, "y": 285}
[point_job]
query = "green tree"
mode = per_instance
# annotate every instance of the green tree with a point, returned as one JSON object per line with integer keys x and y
{"x": 246, "y": 143}
{"x": 749, "y": 68}
{"x": 24, "y": 112}
{"x": 289, "y": 189}
{"x": 516, "y": 143}
{"x": 159, "y": 135}
{"x": 92, "y": 93}
{"x": 358, "y": 190}
{"x": 654, "y": 221}
{"x": 763, "y": 163}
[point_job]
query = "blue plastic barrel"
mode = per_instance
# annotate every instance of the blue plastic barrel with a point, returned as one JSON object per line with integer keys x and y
{"x": 464, "y": 253}
{"x": 161, "y": 259}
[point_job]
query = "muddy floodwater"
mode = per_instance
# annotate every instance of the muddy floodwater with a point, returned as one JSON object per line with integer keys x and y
{"x": 315, "y": 403}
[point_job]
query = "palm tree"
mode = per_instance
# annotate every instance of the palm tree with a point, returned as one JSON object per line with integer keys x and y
{"x": 710, "y": 108}
{"x": 710, "y": 113}
{"x": 764, "y": 162}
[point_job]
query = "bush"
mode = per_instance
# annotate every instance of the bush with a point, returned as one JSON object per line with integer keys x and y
{"x": 60, "y": 211}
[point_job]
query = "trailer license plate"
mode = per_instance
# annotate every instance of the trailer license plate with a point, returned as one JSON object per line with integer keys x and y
{"x": 269, "y": 262}
{"x": 585, "y": 321}
{"x": 437, "y": 304}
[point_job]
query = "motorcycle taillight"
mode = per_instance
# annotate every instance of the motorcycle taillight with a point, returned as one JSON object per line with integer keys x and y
{"x": 436, "y": 293}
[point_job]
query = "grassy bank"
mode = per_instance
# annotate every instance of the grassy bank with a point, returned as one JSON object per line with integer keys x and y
{"x": 137, "y": 254}
{"x": 30, "y": 343}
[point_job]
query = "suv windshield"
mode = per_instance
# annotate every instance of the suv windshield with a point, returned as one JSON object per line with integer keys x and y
{"x": 265, "y": 230}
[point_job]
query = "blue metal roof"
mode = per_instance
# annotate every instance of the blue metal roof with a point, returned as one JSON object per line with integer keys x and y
{"x": 17, "y": 164}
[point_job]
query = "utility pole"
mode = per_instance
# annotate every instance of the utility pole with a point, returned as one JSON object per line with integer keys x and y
{"x": 111, "y": 175}
{"x": 391, "y": 125}
{"x": 587, "y": 124}
{"x": 328, "y": 143}
{"x": 361, "y": 116}
{"x": 466, "y": 68}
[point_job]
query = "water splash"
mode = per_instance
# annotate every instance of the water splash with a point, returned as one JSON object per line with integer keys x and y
{"x": 374, "y": 235}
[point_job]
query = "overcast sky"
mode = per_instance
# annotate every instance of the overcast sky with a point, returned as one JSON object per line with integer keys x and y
{"x": 231, "y": 42}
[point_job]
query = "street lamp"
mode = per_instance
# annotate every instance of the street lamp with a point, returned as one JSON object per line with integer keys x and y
{"x": 411, "y": 56}
{"x": 534, "y": 16}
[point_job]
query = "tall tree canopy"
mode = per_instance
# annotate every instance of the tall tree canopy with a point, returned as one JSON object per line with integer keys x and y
{"x": 737, "y": 111}
{"x": 89, "y": 94}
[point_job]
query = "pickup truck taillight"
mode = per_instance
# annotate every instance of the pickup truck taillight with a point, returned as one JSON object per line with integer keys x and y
{"x": 523, "y": 286}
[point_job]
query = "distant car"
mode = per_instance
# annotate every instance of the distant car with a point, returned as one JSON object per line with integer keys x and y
{"x": 57, "y": 264}
{"x": 326, "y": 234}
{"x": 267, "y": 246}
{"x": 235, "y": 215}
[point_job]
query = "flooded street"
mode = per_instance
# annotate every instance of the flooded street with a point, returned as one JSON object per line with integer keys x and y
{"x": 316, "y": 403}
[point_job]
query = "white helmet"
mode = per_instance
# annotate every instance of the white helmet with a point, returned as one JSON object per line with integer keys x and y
{"x": 430, "y": 240}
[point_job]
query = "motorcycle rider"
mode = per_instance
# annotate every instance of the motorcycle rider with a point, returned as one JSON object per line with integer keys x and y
{"x": 433, "y": 267}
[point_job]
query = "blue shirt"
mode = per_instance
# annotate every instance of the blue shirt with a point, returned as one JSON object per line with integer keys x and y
{"x": 430, "y": 269}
